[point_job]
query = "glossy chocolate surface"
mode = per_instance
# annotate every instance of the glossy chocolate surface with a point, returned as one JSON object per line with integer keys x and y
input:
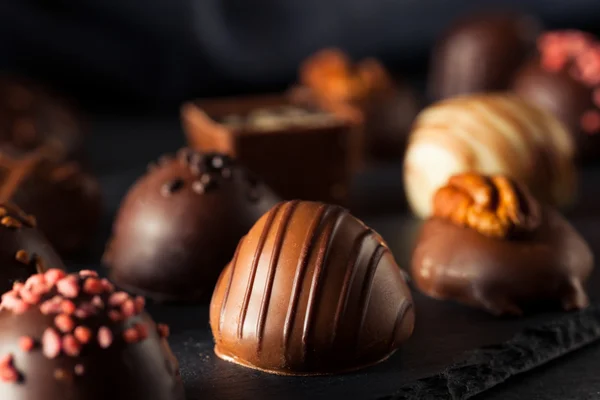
{"x": 108, "y": 348}
{"x": 480, "y": 53}
{"x": 31, "y": 117}
{"x": 65, "y": 200}
{"x": 552, "y": 263}
{"x": 180, "y": 223}
{"x": 311, "y": 290}
{"x": 24, "y": 250}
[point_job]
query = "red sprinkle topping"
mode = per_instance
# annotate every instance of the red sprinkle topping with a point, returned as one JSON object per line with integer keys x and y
{"x": 93, "y": 286}
{"x": 97, "y": 302}
{"x": 84, "y": 273}
{"x": 51, "y": 343}
{"x": 83, "y": 334}
{"x": 8, "y": 373}
{"x": 142, "y": 331}
{"x": 105, "y": 337}
{"x": 163, "y": 330}
{"x": 118, "y": 298}
{"x": 580, "y": 52}
{"x": 128, "y": 308}
{"x": 67, "y": 306}
{"x": 29, "y": 297}
{"x": 26, "y": 343}
{"x": 140, "y": 303}
{"x": 71, "y": 346}
{"x": 53, "y": 275}
{"x": 68, "y": 286}
{"x": 131, "y": 335}
{"x": 64, "y": 323}
{"x": 115, "y": 316}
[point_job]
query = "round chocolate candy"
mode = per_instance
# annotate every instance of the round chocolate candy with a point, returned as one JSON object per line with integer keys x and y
{"x": 24, "y": 250}
{"x": 491, "y": 134}
{"x": 491, "y": 245}
{"x": 74, "y": 334}
{"x": 564, "y": 79}
{"x": 180, "y": 223}
{"x": 31, "y": 117}
{"x": 65, "y": 200}
{"x": 310, "y": 290}
{"x": 480, "y": 53}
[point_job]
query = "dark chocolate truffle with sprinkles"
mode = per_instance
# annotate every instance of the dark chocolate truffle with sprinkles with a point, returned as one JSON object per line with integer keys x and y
{"x": 73, "y": 336}
{"x": 179, "y": 225}
{"x": 24, "y": 250}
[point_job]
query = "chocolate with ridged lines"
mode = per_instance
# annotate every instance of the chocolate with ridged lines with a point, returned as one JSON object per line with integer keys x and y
{"x": 311, "y": 290}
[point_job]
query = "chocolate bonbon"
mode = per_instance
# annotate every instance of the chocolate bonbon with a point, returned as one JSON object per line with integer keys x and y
{"x": 489, "y": 244}
{"x": 31, "y": 117}
{"x": 179, "y": 225}
{"x": 301, "y": 152}
{"x": 491, "y": 134}
{"x": 65, "y": 200}
{"x": 564, "y": 78}
{"x": 480, "y": 53}
{"x": 74, "y": 336}
{"x": 365, "y": 94}
{"x": 310, "y": 290}
{"x": 24, "y": 250}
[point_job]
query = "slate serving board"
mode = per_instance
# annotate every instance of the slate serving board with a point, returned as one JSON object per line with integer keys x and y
{"x": 445, "y": 333}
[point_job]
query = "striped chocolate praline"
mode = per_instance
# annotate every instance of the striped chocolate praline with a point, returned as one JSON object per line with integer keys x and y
{"x": 311, "y": 290}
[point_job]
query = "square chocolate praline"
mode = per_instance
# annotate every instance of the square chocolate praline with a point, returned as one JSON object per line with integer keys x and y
{"x": 301, "y": 151}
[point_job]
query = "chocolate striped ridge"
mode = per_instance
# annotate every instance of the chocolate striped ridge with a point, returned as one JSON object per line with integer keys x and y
{"x": 228, "y": 288}
{"x": 365, "y": 295}
{"x": 259, "y": 247}
{"x": 279, "y": 236}
{"x": 405, "y": 305}
{"x": 315, "y": 285}
{"x": 342, "y": 305}
{"x": 307, "y": 248}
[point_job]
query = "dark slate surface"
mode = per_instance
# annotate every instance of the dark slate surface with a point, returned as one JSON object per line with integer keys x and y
{"x": 445, "y": 335}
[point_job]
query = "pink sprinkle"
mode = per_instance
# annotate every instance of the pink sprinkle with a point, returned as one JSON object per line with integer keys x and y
{"x": 71, "y": 346}
{"x": 6, "y": 359}
{"x": 85, "y": 273}
{"x": 64, "y": 323}
{"x": 9, "y": 299}
{"x": 52, "y": 306}
{"x": 53, "y": 275}
{"x": 590, "y": 122}
{"x": 105, "y": 337}
{"x": 97, "y": 302}
{"x": 26, "y": 343}
{"x": 83, "y": 334}
{"x": 93, "y": 286}
{"x": 163, "y": 330}
{"x": 29, "y": 297}
{"x": 17, "y": 286}
{"x": 8, "y": 373}
{"x": 68, "y": 286}
{"x": 131, "y": 335}
{"x": 140, "y": 303}
{"x": 128, "y": 308}
{"x": 81, "y": 314}
{"x": 67, "y": 306}
{"x": 108, "y": 287}
{"x": 51, "y": 343}
{"x": 142, "y": 330}
{"x": 115, "y": 316}
{"x": 79, "y": 369}
{"x": 35, "y": 280}
{"x": 20, "y": 307}
{"x": 118, "y": 298}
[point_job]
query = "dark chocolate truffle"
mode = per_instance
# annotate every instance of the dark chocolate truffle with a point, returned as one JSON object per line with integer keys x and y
{"x": 365, "y": 94}
{"x": 31, "y": 117}
{"x": 491, "y": 245}
{"x": 310, "y": 290}
{"x": 24, "y": 250}
{"x": 480, "y": 53}
{"x": 65, "y": 200}
{"x": 73, "y": 336}
{"x": 179, "y": 225}
{"x": 564, "y": 78}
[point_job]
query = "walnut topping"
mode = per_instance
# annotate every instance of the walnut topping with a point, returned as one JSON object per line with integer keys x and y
{"x": 494, "y": 206}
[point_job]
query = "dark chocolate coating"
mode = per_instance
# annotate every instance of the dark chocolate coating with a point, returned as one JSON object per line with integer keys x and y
{"x": 67, "y": 206}
{"x": 174, "y": 234}
{"x": 311, "y": 290}
{"x": 25, "y": 237}
{"x": 31, "y": 117}
{"x": 480, "y": 53}
{"x": 503, "y": 276}
{"x": 562, "y": 95}
{"x": 121, "y": 371}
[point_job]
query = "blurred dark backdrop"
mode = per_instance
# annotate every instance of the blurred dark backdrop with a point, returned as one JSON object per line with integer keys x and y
{"x": 120, "y": 54}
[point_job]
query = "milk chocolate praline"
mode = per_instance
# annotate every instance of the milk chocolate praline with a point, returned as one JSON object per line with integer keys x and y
{"x": 24, "y": 250}
{"x": 564, "y": 79}
{"x": 491, "y": 245}
{"x": 179, "y": 225}
{"x": 310, "y": 290}
{"x": 31, "y": 117}
{"x": 480, "y": 53}
{"x": 74, "y": 336}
